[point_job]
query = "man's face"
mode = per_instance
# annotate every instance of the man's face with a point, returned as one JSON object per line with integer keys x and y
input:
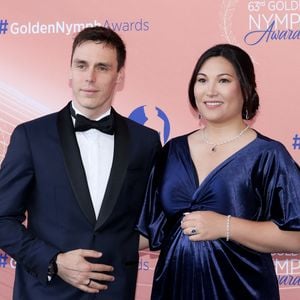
{"x": 94, "y": 75}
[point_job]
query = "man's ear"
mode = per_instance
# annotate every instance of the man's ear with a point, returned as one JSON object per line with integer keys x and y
{"x": 121, "y": 75}
{"x": 70, "y": 79}
{"x": 120, "y": 79}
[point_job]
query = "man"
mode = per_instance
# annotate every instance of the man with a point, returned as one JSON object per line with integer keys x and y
{"x": 82, "y": 188}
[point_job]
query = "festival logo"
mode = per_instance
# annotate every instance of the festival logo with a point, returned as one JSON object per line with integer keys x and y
{"x": 62, "y": 27}
{"x": 153, "y": 117}
{"x": 287, "y": 267}
{"x": 260, "y": 22}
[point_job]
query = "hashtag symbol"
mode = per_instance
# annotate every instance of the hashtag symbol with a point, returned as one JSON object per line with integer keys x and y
{"x": 296, "y": 144}
{"x": 3, "y": 260}
{"x": 3, "y": 26}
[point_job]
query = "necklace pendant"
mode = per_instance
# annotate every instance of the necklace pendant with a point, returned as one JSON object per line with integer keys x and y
{"x": 214, "y": 146}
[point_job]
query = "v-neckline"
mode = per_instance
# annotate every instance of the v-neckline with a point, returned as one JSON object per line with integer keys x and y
{"x": 217, "y": 167}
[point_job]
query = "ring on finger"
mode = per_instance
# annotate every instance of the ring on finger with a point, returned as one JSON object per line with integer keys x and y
{"x": 193, "y": 231}
{"x": 90, "y": 280}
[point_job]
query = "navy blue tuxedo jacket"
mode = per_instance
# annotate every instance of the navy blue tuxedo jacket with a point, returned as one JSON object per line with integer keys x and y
{"x": 42, "y": 176}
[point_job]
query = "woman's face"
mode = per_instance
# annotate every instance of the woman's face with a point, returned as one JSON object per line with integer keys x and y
{"x": 218, "y": 92}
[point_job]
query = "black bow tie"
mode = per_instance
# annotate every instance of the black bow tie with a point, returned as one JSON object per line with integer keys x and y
{"x": 105, "y": 125}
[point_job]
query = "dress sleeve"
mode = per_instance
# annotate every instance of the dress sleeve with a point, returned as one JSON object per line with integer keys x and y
{"x": 281, "y": 184}
{"x": 153, "y": 222}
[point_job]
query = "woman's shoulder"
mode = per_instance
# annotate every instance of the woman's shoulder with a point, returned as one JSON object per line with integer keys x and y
{"x": 180, "y": 138}
{"x": 272, "y": 147}
{"x": 269, "y": 143}
{"x": 176, "y": 145}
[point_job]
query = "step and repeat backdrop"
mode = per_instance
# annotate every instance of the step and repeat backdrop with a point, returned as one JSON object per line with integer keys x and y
{"x": 164, "y": 39}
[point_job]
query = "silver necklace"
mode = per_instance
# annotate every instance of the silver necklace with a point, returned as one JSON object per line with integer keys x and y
{"x": 215, "y": 145}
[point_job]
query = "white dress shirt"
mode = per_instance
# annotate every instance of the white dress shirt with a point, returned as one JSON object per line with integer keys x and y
{"x": 96, "y": 149}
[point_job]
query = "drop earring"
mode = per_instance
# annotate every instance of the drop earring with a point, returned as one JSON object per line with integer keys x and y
{"x": 246, "y": 115}
{"x": 201, "y": 124}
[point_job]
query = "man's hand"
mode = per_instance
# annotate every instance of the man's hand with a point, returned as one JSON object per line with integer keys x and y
{"x": 77, "y": 271}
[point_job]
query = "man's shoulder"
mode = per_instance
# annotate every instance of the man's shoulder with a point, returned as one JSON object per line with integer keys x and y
{"x": 140, "y": 128}
{"x": 48, "y": 119}
{"x": 39, "y": 123}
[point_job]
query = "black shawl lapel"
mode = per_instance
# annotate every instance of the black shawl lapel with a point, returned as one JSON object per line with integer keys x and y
{"x": 73, "y": 162}
{"x": 118, "y": 170}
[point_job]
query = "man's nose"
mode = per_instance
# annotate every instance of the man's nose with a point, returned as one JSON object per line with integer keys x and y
{"x": 90, "y": 75}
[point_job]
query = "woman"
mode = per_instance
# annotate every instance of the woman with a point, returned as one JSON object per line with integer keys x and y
{"x": 224, "y": 197}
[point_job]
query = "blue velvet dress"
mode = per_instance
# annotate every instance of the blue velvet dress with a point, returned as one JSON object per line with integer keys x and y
{"x": 259, "y": 182}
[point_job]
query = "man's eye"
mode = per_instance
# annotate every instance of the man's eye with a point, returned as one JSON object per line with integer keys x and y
{"x": 80, "y": 66}
{"x": 102, "y": 68}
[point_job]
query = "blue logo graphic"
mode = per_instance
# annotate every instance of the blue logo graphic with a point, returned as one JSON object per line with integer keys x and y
{"x": 152, "y": 117}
